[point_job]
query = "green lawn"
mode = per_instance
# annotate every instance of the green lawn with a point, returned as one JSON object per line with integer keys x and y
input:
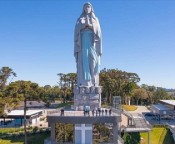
{"x": 158, "y": 136}
{"x": 10, "y": 130}
{"x": 32, "y": 139}
{"x": 64, "y": 104}
{"x": 129, "y": 107}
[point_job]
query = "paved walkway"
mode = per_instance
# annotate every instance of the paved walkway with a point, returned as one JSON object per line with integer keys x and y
{"x": 140, "y": 110}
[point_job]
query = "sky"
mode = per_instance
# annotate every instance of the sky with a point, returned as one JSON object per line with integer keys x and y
{"x": 36, "y": 38}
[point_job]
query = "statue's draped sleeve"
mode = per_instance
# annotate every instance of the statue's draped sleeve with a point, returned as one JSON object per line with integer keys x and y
{"x": 98, "y": 37}
{"x": 77, "y": 39}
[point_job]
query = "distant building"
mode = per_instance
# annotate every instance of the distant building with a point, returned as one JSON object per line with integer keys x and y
{"x": 164, "y": 109}
{"x": 16, "y": 117}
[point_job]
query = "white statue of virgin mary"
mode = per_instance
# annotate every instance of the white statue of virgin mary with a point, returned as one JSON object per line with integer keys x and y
{"x": 87, "y": 47}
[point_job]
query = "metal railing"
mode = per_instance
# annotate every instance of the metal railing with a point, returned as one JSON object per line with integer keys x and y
{"x": 81, "y": 113}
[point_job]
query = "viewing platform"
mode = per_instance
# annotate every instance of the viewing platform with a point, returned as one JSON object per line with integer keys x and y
{"x": 87, "y": 118}
{"x": 75, "y": 117}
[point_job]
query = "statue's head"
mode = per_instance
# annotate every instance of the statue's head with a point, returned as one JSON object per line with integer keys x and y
{"x": 87, "y": 8}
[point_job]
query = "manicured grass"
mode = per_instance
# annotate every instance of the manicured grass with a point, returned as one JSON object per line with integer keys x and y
{"x": 32, "y": 139}
{"x": 105, "y": 106}
{"x": 64, "y": 104}
{"x": 10, "y": 130}
{"x": 129, "y": 107}
{"x": 158, "y": 136}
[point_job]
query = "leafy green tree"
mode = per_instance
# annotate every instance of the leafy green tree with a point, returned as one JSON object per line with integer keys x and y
{"x": 139, "y": 94}
{"x": 48, "y": 94}
{"x": 56, "y": 92}
{"x": 102, "y": 130}
{"x": 67, "y": 83}
{"x": 64, "y": 132}
{"x": 155, "y": 93}
{"x": 5, "y": 74}
{"x": 131, "y": 138}
{"x": 23, "y": 91}
{"x": 159, "y": 94}
{"x": 117, "y": 83}
{"x": 150, "y": 91}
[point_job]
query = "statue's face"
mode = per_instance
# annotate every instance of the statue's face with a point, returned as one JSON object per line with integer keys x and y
{"x": 87, "y": 9}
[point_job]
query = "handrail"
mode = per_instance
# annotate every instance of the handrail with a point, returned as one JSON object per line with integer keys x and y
{"x": 126, "y": 113}
{"x": 81, "y": 113}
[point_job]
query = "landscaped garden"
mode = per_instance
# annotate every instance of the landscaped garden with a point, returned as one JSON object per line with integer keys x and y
{"x": 129, "y": 107}
{"x": 160, "y": 134}
{"x": 64, "y": 104}
{"x": 16, "y": 135}
{"x": 37, "y": 138}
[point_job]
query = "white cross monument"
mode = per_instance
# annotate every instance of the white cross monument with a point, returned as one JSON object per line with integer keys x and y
{"x": 85, "y": 133}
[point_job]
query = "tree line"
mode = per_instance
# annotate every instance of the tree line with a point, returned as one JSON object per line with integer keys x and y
{"x": 114, "y": 82}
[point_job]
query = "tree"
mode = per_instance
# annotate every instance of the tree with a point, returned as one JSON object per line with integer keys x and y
{"x": 150, "y": 91}
{"x": 117, "y": 83}
{"x": 131, "y": 138}
{"x": 102, "y": 130}
{"x": 67, "y": 83}
{"x": 5, "y": 74}
{"x": 139, "y": 94}
{"x": 159, "y": 94}
{"x": 9, "y": 98}
{"x": 56, "y": 92}
{"x": 64, "y": 132}
{"x": 154, "y": 94}
{"x": 24, "y": 91}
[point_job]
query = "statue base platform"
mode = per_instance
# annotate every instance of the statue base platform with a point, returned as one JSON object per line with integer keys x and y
{"x": 87, "y": 96}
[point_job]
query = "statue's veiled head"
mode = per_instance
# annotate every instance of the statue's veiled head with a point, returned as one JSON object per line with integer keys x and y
{"x": 87, "y": 8}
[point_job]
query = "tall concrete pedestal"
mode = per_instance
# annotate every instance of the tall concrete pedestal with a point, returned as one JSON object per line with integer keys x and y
{"x": 87, "y": 96}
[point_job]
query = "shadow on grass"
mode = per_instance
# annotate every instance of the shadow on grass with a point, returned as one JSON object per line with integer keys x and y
{"x": 65, "y": 105}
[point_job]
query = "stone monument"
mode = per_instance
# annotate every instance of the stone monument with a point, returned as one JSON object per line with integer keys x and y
{"x": 87, "y": 93}
{"x": 87, "y": 52}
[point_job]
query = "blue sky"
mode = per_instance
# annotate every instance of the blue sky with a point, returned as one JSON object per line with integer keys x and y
{"x": 36, "y": 38}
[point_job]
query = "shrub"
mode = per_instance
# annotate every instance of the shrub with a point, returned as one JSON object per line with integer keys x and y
{"x": 35, "y": 129}
{"x": 131, "y": 138}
